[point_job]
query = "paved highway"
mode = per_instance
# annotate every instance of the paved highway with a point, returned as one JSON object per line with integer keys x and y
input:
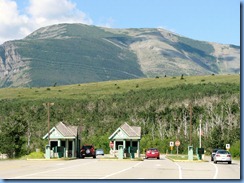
{"x": 101, "y": 168}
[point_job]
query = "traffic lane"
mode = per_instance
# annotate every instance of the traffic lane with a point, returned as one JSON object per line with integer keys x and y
{"x": 228, "y": 171}
{"x": 209, "y": 170}
{"x": 90, "y": 168}
{"x": 55, "y": 169}
{"x": 225, "y": 170}
{"x": 27, "y": 169}
{"x": 149, "y": 169}
{"x": 12, "y": 168}
{"x": 196, "y": 170}
{"x": 87, "y": 168}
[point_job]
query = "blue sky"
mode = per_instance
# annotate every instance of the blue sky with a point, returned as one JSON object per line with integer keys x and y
{"x": 207, "y": 20}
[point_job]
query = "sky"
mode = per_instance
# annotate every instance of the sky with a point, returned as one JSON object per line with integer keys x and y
{"x": 205, "y": 20}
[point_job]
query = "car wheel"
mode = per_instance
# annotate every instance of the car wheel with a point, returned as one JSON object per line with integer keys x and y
{"x": 215, "y": 162}
{"x": 82, "y": 157}
{"x": 158, "y": 158}
{"x": 229, "y": 162}
{"x": 211, "y": 158}
{"x": 94, "y": 157}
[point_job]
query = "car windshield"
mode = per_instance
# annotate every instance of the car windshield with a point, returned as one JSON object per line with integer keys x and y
{"x": 223, "y": 152}
{"x": 152, "y": 149}
{"x": 86, "y": 147}
{"x": 215, "y": 150}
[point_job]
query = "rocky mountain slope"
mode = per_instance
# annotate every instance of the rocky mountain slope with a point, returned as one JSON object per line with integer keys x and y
{"x": 77, "y": 53}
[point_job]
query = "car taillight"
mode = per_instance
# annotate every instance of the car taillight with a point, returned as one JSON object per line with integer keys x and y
{"x": 228, "y": 155}
{"x": 217, "y": 155}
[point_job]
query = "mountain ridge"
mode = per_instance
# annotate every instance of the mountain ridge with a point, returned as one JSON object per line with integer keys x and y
{"x": 76, "y": 53}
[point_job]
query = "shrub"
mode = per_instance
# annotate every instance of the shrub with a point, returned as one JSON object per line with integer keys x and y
{"x": 235, "y": 149}
{"x": 36, "y": 155}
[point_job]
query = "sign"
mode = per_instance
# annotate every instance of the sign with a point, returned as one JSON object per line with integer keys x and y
{"x": 177, "y": 143}
{"x": 171, "y": 144}
{"x": 227, "y": 146}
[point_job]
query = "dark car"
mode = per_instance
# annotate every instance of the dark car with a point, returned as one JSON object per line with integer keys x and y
{"x": 152, "y": 153}
{"x": 88, "y": 151}
{"x": 213, "y": 153}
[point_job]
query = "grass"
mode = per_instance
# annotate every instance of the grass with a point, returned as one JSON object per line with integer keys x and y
{"x": 105, "y": 89}
{"x": 36, "y": 155}
{"x": 181, "y": 157}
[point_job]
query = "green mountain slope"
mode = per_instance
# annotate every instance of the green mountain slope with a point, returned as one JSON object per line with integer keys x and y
{"x": 82, "y": 54}
{"x": 76, "y": 53}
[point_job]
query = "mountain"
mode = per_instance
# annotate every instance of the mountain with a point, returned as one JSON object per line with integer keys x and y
{"x": 76, "y": 53}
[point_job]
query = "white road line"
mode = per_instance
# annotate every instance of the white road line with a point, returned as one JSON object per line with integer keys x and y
{"x": 27, "y": 175}
{"x": 180, "y": 171}
{"x": 216, "y": 171}
{"x": 120, "y": 171}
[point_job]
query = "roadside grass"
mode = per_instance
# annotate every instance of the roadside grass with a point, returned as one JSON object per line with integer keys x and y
{"x": 182, "y": 157}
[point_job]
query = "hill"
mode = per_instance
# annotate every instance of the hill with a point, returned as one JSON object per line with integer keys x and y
{"x": 75, "y": 53}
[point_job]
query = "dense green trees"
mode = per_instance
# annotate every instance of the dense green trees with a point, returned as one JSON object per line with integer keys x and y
{"x": 162, "y": 113}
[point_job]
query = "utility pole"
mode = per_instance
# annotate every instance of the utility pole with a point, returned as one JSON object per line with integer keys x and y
{"x": 200, "y": 134}
{"x": 48, "y": 104}
{"x": 190, "y": 122}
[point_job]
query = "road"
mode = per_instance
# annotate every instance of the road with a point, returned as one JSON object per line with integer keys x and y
{"x": 101, "y": 168}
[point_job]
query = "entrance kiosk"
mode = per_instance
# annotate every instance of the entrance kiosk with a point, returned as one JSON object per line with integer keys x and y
{"x": 129, "y": 138}
{"x": 64, "y": 141}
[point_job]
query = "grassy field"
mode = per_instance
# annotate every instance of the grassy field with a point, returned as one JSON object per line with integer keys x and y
{"x": 104, "y": 89}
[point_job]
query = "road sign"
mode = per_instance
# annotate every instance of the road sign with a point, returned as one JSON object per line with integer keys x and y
{"x": 177, "y": 143}
{"x": 171, "y": 144}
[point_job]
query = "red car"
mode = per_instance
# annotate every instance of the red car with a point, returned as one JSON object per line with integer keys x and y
{"x": 152, "y": 153}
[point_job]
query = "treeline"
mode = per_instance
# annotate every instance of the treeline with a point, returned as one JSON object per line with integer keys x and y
{"x": 164, "y": 114}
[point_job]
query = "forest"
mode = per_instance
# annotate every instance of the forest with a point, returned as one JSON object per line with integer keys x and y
{"x": 164, "y": 114}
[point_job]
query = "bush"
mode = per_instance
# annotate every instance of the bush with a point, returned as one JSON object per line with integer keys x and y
{"x": 235, "y": 149}
{"x": 36, "y": 155}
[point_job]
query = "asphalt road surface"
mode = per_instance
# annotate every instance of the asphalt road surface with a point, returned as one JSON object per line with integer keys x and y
{"x": 101, "y": 168}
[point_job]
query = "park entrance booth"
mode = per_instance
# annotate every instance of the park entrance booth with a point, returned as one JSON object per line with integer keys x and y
{"x": 128, "y": 137}
{"x": 64, "y": 142}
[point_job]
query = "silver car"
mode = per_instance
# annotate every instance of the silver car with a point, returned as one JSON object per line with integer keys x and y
{"x": 99, "y": 152}
{"x": 213, "y": 153}
{"x": 222, "y": 156}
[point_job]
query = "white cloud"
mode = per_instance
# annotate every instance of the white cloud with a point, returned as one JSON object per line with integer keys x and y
{"x": 11, "y": 22}
{"x": 14, "y": 25}
{"x": 47, "y": 12}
